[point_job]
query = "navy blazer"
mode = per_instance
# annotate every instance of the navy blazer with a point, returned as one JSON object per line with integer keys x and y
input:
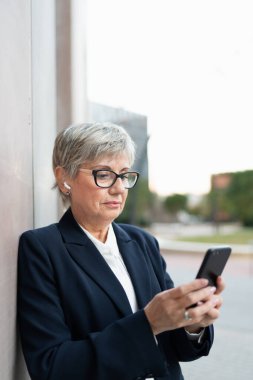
{"x": 75, "y": 320}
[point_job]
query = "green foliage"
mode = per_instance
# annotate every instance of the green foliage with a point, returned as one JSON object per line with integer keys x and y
{"x": 234, "y": 202}
{"x": 240, "y": 197}
{"x": 218, "y": 206}
{"x": 138, "y": 206}
{"x": 202, "y": 209}
{"x": 176, "y": 202}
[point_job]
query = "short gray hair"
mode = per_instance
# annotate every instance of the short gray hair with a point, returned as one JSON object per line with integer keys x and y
{"x": 88, "y": 142}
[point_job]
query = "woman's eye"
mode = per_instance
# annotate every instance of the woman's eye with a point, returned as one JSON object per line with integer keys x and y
{"x": 126, "y": 175}
{"x": 103, "y": 176}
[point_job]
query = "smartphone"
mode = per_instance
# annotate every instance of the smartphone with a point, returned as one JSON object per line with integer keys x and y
{"x": 213, "y": 264}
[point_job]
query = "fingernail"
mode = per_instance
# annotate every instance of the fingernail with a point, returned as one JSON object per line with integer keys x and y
{"x": 213, "y": 289}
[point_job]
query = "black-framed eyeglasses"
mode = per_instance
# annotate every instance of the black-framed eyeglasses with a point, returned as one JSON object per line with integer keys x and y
{"x": 107, "y": 178}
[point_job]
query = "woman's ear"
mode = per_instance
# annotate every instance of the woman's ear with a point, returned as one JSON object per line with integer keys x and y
{"x": 60, "y": 177}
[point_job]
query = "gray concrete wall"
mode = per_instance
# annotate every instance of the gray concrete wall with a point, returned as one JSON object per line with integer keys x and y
{"x": 43, "y": 72}
{"x": 16, "y": 186}
{"x": 35, "y": 55}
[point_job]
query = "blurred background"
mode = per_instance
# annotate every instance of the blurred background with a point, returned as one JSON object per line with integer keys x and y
{"x": 178, "y": 76}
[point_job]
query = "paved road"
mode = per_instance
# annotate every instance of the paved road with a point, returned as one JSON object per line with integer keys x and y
{"x": 231, "y": 357}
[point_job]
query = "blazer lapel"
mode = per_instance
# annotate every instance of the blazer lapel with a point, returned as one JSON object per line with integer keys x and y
{"x": 86, "y": 255}
{"x": 136, "y": 265}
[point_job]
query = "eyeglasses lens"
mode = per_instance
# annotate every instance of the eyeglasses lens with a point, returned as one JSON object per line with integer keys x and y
{"x": 129, "y": 180}
{"x": 106, "y": 178}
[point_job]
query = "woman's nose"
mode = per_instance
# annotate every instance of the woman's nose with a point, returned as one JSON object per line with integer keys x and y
{"x": 118, "y": 186}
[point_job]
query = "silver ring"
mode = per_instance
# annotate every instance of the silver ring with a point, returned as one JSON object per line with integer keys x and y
{"x": 186, "y": 316}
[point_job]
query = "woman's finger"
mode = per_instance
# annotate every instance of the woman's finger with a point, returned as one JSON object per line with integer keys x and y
{"x": 220, "y": 285}
{"x": 182, "y": 290}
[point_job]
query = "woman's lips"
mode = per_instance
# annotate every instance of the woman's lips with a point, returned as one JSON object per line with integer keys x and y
{"x": 113, "y": 204}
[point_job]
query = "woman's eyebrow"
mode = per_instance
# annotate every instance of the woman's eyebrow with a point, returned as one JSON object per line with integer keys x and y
{"x": 107, "y": 167}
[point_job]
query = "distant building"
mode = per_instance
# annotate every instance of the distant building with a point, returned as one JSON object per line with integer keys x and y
{"x": 135, "y": 124}
{"x": 220, "y": 181}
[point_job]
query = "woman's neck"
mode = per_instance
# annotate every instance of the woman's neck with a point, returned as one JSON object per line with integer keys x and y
{"x": 99, "y": 234}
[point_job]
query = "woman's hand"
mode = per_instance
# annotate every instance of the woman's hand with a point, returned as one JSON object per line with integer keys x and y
{"x": 167, "y": 310}
{"x": 213, "y": 313}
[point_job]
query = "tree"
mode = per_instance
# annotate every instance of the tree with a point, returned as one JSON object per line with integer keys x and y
{"x": 240, "y": 197}
{"x": 176, "y": 202}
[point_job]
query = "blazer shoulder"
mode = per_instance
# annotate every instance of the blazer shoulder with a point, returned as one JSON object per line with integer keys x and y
{"x": 44, "y": 236}
{"x": 41, "y": 232}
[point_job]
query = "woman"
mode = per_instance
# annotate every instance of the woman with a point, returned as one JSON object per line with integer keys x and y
{"x": 94, "y": 299}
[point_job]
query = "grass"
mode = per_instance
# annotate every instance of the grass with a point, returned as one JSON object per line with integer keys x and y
{"x": 242, "y": 236}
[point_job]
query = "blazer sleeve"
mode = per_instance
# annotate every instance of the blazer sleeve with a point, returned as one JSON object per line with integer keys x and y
{"x": 49, "y": 350}
{"x": 176, "y": 344}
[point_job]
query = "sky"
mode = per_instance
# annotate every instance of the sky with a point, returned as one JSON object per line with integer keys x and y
{"x": 187, "y": 66}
